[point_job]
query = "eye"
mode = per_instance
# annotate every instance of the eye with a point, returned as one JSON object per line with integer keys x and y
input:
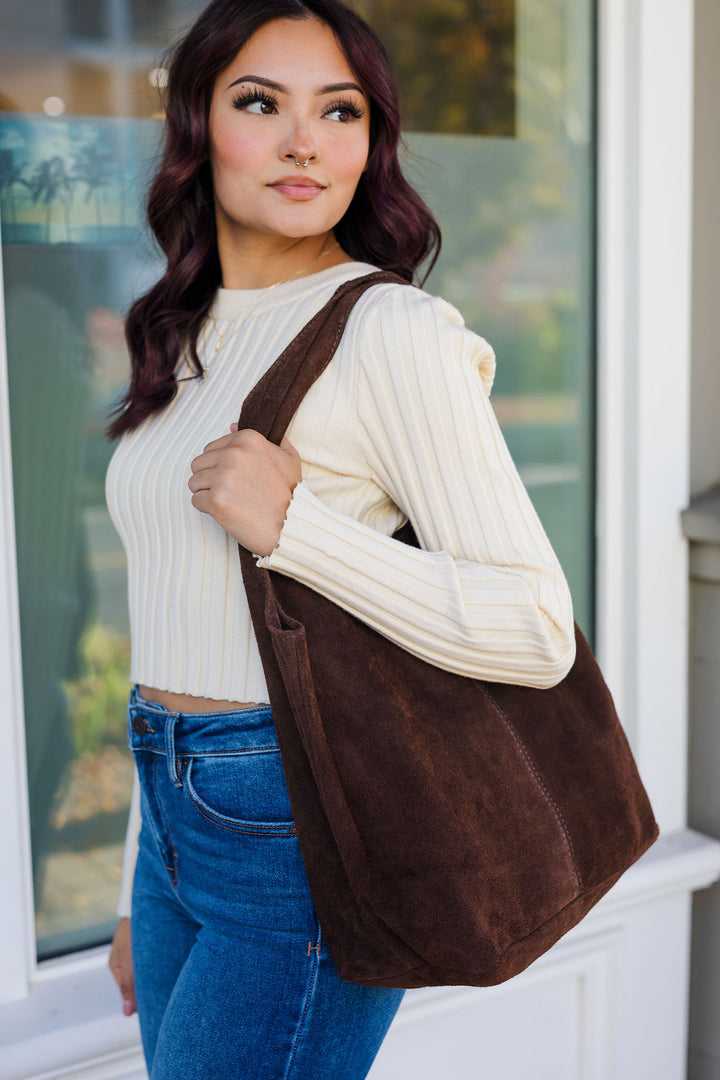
{"x": 255, "y": 102}
{"x": 261, "y": 108}
{"x": 344, "y": 112}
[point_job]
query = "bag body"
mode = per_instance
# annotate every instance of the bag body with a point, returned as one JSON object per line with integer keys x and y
{"x": 452, "y": 829}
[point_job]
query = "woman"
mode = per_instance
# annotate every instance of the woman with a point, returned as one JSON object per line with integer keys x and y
{"x": 279, "y": 181}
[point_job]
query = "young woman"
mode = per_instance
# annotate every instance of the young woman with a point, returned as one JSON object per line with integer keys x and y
{"x": 279, "y": 181}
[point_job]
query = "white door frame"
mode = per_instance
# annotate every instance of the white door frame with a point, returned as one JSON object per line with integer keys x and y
{"x": 644, "y": 351}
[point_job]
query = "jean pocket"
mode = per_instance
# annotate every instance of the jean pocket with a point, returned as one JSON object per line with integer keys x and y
{"x": 245, "y": 791}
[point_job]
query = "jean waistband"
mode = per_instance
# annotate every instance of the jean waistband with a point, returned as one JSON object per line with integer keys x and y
{"x": 153, "y": 727}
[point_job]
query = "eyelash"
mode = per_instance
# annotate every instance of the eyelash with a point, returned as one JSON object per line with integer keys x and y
{"x": 247, "y": 97}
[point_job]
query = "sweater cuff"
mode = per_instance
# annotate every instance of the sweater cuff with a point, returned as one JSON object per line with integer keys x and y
{"x": 131, "y": 851}
{"x": 305, "y": 514}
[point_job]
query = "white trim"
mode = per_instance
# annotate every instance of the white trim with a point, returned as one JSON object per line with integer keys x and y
{"x": 592, "y": 962}
{"x": 644, "y": 279}
{"x": 17, "y": 941}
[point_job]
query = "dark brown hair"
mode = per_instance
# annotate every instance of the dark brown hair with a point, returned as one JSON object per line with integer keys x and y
{"x": 387, "y": 223}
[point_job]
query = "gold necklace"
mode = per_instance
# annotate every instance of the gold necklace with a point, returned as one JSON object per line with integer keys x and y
{"x": 220, "y": 339}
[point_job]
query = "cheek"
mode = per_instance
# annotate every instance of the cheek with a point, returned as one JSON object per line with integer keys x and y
{"x": 350, "y": 160}
{"x": 234, "y": 154}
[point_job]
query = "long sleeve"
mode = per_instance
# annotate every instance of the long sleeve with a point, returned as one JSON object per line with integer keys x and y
{"x": 486, "y": 596}
{"x": 131, "y": 850}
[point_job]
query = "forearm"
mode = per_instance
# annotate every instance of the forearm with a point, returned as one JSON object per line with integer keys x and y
{"x": 474, "y": 619}
{"x": 131, "y": 850}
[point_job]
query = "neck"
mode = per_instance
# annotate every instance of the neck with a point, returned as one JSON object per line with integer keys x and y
{"x": 258, "y": 267}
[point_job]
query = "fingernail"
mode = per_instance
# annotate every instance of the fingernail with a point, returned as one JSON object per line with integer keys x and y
{"x": 128, "y": 1008}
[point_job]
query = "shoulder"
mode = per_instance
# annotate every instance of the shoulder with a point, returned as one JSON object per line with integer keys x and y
{"x": 395, "y": 324}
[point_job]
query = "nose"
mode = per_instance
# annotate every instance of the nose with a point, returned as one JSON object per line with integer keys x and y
{"x": 297, "y": 161}
{"x": 300, "y": 145}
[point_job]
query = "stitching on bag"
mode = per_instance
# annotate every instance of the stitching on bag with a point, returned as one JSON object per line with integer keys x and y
{"x": 340, "y": 329}
{"x": 274, "y": 377}
{"x": 541, "y": 784}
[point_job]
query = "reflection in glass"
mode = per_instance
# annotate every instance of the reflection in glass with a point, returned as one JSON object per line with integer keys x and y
{"x": 70, "y": 181}
{"x": 455, "y": 62}
{"x": 72, "y": 258}
{"x": 517, "y": 263}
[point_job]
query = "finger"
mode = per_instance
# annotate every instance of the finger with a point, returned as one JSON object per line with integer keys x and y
{"x": 129, "y": 1001}
{"x": 237, "y": 437}
{"x": 247, "y": 439}
{"x": 288, "y": 447}
{"x": 120, "y": 963}
{"x": 221, "y": 443}
{"x": 234, "y": 427}
{"x": 200, "y": 481}
{"x": 207, "y": 460}
{"x": 201, "y": 464}
{"x": 202, "y": 501}
{"x": 292, "y": 464}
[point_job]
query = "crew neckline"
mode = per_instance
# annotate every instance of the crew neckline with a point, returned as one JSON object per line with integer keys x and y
{"x": 228, "y": 302}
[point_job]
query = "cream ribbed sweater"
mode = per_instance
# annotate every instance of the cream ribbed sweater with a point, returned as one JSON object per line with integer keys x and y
{"x": 399, "y": 425}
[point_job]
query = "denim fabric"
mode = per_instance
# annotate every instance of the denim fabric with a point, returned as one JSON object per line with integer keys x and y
{"x": 233, "y": 978}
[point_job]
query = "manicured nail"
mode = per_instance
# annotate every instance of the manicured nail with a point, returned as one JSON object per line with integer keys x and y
{"x": 128, "y": 1008}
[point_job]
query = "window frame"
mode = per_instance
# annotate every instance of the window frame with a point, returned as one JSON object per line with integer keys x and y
{"x": 17, "y": 943}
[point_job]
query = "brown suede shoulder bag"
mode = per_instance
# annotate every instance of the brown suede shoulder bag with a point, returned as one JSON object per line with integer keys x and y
{"x": 452, "y": 829}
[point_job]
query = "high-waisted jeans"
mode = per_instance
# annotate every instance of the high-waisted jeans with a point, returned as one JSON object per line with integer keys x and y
{"x": 233, "y": 978}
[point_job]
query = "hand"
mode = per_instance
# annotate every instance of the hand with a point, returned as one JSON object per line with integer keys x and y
{"x": 120, "y": 963}
{"x": 246, "y": 483}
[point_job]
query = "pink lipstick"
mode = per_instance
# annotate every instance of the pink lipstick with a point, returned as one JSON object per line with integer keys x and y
{"x": 300, "y": 188}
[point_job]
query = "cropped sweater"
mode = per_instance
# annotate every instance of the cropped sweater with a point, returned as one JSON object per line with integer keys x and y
{"x": 398, "y": 426}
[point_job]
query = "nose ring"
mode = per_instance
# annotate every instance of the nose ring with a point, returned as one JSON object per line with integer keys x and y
{"x": 304, "y": 163}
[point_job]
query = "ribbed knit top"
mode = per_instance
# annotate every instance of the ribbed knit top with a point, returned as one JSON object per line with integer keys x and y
{"x": 398, "y": 425}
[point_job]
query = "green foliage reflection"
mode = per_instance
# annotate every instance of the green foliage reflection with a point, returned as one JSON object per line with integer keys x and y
{"x": 98, "y": 696}
{"x": 455, "y": 61}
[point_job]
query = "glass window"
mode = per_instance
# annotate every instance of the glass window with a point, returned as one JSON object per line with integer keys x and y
{"x": 73, "y": 256}
{"x": 498, "y": 103}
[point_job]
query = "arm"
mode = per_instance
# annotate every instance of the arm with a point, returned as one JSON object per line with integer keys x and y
{"x": 120, "y": 959}
{"x": 487, "y": 597}
{"x": 131, "y": 850}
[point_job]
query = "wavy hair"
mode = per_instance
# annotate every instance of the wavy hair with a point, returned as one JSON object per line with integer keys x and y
{"x": 387, "y": 223}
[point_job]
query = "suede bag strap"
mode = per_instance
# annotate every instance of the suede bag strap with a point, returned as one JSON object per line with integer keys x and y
{"x": 273, "y": 401}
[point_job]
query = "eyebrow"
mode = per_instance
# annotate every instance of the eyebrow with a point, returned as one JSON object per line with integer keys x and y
{"x": 331, "y": 88}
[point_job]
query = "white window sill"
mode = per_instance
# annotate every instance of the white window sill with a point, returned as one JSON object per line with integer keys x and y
{"x": 70, "y": 1025}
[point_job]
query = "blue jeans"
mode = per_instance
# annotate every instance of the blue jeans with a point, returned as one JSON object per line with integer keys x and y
{"x": 233, "y": 978}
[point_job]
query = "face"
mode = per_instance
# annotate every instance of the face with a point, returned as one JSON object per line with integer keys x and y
{"x": 288, "y": 94}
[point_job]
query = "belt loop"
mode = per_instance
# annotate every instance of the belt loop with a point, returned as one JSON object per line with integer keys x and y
{"x": 170, "y": 747}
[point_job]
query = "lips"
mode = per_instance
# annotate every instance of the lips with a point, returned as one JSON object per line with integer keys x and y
{"x": 299, "y": 188}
